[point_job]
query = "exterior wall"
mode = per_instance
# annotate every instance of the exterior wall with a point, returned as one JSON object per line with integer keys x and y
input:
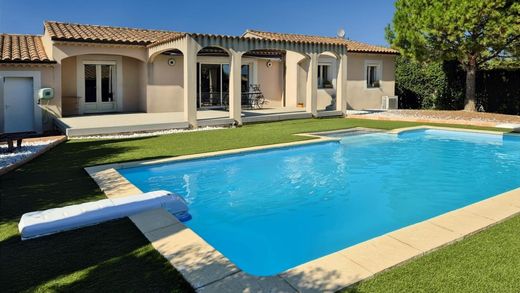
{"x": 134, "y": 85}
{"x": 69, "y": 99}
{"x": 301, "y": 82}
{"x": 271, "y": 82}
{"x": 165, "y": 91}
{"x": 165, "y": 87}
{"x": 358, "y": 96}
{"x": 46, "y": 80}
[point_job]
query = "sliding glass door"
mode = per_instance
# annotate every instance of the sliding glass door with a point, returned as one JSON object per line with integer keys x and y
{"x": 213, "y": 84}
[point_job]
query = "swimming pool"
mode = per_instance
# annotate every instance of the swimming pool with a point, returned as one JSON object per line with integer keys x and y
{"x": 270, "y": 210}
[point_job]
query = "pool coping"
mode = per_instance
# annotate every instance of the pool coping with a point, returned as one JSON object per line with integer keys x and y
{"x": 207, "y": 270}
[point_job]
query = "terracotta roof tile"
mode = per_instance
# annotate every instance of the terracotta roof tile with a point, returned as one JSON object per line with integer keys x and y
{"x": 352, "y": 46}
{"x": 105, "y": 34}
{"x": 22, "y": 48}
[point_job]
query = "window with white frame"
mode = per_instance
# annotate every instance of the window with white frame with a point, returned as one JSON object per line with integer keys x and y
{"x": 324, "y": 80}
{"x": 373, "y": 74}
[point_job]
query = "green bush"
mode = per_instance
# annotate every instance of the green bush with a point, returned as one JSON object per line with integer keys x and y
{"x": 418, "y": 85}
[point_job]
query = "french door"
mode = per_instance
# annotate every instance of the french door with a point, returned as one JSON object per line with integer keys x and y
{"x": 100, "y": 83}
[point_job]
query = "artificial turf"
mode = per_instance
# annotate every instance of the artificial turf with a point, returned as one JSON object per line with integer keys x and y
{"x": 114, "y": 256}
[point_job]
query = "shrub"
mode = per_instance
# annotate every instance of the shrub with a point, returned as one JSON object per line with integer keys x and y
{"x": 418, "y": 85}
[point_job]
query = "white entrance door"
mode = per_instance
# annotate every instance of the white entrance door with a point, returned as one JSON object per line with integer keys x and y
{"x": 100, "y": 83}
{"x": 18, "y": 104}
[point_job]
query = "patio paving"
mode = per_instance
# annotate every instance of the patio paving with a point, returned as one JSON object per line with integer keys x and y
{"x": 113, "y": 123}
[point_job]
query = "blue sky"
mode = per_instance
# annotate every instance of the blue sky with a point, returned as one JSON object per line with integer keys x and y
{"x": 363, "y": 20}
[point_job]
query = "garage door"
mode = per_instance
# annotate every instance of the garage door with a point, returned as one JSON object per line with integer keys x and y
{"x": 18, "y": 104}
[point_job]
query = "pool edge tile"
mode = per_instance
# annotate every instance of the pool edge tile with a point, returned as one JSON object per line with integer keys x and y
{"x": 495, "y": 210}
{"x": 462, "y": 222}
{"x": 380, "y": 253}
{"x": 243, "y": 282}
{"x": 198, "y": 262}
{"x": 152, "y": 220}
{"x": 113, "y": 184}
{"x": 425, "y": 236}
{"x": 328, "y": 273}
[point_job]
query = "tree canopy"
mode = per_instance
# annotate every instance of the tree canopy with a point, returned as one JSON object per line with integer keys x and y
{"x": 472, "y": 32}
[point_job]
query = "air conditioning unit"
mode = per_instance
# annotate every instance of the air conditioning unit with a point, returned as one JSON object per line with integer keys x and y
{"x": 389, "y": 102}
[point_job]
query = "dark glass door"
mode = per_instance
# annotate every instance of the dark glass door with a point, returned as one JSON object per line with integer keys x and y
{"x": 90, "y": 83}
{"x": 213, "y": 84}
{"x": 107, "y": 82}
{"x": 210, "y": 94}
{"x": 100, "y": 88}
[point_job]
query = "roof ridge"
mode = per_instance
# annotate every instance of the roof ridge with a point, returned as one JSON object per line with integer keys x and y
{"x": 297, "y": 34}
{"x": 27, "y": 35}
{"x": 111, "y": 26}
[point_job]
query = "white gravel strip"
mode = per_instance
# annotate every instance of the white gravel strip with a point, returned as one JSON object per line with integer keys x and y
{"x": 28, "y": 148}
{"x": 144, "y": 134}
{"x": 432, "y": 116}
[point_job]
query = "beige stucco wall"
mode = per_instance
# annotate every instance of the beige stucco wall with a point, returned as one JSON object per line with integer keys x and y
{"x": 358, "y": 96}
{"x": 271, "y": 82}
{"x": 69, "y": 100}
{"x": 301, "y": 94}
{"x": 294, "y": 74}
{"x": 165, "y": 85}
{"x": 46, "y": 79}
{"x": 165, "y": 90}
{"x": 134, "y": 85}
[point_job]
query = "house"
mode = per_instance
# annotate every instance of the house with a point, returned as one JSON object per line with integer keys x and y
{"x": 96, "y": 71}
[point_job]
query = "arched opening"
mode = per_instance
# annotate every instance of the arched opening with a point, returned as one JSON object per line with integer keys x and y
{"x": 328, "y": 68}
{"x": 166, "y": 83}
{"x": 97, "y": 84}
{"x": 263, "y": 79}
{"x": 273, "y": 84}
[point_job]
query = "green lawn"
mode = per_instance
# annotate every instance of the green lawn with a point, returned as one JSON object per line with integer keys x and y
{"x": 115, "y": 256}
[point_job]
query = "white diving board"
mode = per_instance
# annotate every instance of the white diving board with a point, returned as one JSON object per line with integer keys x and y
{"x": 41, "y": 223}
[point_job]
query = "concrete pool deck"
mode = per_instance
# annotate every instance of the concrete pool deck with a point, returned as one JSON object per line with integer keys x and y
{"x": 207, "y": 270}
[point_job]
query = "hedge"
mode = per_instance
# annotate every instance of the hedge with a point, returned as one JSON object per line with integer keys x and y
{"x": 442, "y": 86}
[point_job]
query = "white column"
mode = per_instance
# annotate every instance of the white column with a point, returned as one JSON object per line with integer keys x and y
{"x": 341, "y": 85}
{"x": 235, "y": 90}
{"x": 311, "y": 97}
{"x": 190, "y": 82}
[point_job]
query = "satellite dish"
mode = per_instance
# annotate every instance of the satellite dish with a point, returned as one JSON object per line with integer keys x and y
{"x": 341, "y": 33}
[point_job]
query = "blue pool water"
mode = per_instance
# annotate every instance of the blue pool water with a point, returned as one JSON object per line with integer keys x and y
{"x": 271, "y": 210}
